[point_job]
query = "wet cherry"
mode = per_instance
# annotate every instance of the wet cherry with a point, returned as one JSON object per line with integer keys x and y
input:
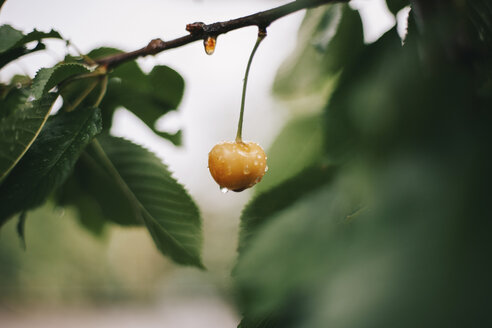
{"x": 237, "y": 165}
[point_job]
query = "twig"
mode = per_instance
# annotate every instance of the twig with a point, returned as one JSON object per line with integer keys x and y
{"x": 201, "y": 31}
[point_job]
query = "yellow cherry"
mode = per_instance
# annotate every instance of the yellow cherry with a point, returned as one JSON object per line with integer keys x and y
{"x": 237, "y": 165}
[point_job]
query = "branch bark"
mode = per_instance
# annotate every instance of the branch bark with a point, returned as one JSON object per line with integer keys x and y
{"x": 200, "y": 31}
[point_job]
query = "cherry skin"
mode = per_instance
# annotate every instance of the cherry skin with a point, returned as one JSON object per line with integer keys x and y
{"x": 237, "y": 165}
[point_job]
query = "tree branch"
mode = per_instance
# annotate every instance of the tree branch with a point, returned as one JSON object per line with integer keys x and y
{"x": 201, "y": 31}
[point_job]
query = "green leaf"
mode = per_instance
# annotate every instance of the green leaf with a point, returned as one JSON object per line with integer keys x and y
{"x": 12, "y": 98}
{"x": 299, "y": 244}
{"x": 9, "y": 37}
{"x": 96, "y": 195}
{"x": 25, "y": 116}
{"x": 148, "y": 96}
{"x": 351, "y": 119}
{"x": 88, "y": 210}
{"x": 19, "y": 128}
{"x": 315, "y": 265}
{"x": 90, "y": 217}
{"x": 396, "y": 5}
{"x": 167, "y": 85}
{"x": 302, "y": 134}
{"x": 49, "y": 161}
{"x": 328, "y": 39}
{"x": 157, "y": 199}
{"x": 259, "y": 211}
{"x": 14, "y": 43}
{"x": 36, "y": 35}
{"x": 47, "y": 78}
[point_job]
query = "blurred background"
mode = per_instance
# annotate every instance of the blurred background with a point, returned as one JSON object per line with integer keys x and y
{"x": 69, "y": 278}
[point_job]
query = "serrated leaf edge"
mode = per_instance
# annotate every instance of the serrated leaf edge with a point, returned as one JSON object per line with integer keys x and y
{"x": 30, "y": 143}
{"x": 136, "y": 202}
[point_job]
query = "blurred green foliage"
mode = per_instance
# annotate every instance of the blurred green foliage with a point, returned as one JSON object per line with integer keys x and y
{"x": 399, "y": 235}
{"x": 63, "y": 264}
{"x": 305, "y": 135}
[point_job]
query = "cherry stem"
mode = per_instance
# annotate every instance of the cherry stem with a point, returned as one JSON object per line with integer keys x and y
{"x": 261, "y": 36}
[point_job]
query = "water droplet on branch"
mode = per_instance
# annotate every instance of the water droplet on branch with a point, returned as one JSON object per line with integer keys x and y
{"x": 209, "y": 44}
